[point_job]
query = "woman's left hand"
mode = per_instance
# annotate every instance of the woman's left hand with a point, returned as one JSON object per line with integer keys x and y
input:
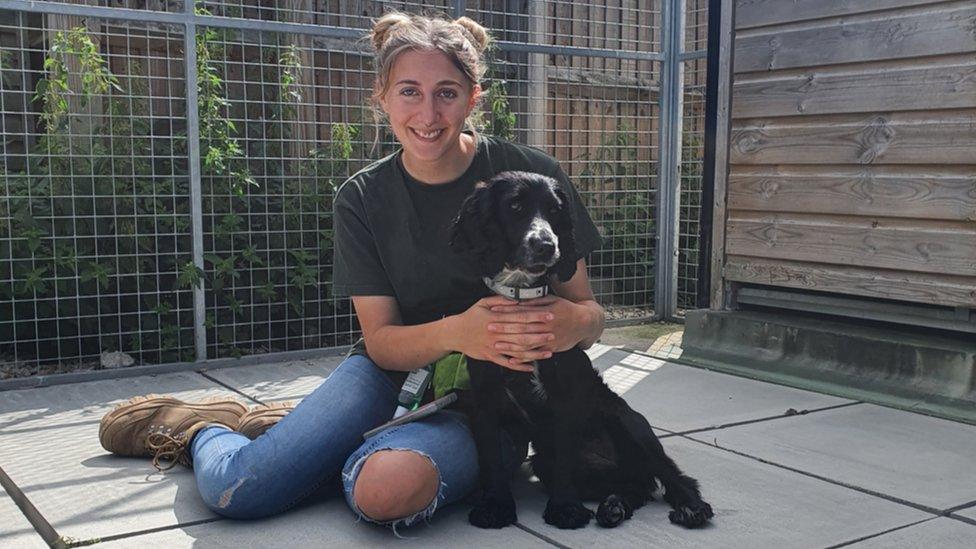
{"x": 569, "y": 320}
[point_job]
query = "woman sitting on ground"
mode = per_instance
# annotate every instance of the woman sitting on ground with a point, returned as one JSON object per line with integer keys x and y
{"x": 415, "y": 302}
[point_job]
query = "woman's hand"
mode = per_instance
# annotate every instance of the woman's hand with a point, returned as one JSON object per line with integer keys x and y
{"x": 511, "y": 339}
{"x": 569, "y": 322}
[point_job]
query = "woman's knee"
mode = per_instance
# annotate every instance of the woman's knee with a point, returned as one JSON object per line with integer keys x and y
{"x": 395, "y": 484}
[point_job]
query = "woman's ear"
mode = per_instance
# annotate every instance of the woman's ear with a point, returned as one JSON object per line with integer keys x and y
{"x": 380, "y": 94}
{"x": 475, "y": 96}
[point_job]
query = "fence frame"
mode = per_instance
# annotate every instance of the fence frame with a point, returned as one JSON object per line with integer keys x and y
{"x": 671, "y": 60}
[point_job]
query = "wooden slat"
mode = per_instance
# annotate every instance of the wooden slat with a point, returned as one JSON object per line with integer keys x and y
{"x": 559, "y": 107}
{"x": 938, "y": 32}
{"x": 720, "y": 178}
{"x": 886, "y": 284}
{"x": 863, "y": 90}
{"x": 903, "y": 138}
{"x": 598, "y": 33}
{"x": 628, "y": 34}
{"x": 587, "y": 83}
{"x": 928, "y": 193}
{"x": 932, "y": 247}
{"x": 757, "y": 13}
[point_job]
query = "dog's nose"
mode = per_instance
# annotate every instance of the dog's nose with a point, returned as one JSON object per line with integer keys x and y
{"x": 541, "y": 246}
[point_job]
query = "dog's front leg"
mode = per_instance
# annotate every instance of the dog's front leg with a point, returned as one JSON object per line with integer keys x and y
{"x": 570, "y": 403}
{"x": 496, "y": 509}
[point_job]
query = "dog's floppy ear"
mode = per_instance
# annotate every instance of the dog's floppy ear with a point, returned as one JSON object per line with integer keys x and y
{"x": 565, "y": 268}
{"x": 477, "y": 234}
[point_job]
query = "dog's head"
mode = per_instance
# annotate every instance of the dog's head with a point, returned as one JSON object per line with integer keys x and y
{"x": 519, "y": 224}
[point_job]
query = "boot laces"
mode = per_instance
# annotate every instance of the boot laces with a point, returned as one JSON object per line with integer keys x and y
{"x": 169, "y": 450}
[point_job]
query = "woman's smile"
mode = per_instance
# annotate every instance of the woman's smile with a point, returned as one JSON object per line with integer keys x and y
{"x": 428, "y": 135}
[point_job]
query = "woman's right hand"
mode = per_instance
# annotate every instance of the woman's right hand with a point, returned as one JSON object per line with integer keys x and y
{"x": 511, "y": 340}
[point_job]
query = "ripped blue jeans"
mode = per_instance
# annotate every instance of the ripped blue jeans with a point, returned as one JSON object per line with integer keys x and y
{"x": 321, "y": 438}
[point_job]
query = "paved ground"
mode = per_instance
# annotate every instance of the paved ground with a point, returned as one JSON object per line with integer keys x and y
{"x": 781, "y": 467}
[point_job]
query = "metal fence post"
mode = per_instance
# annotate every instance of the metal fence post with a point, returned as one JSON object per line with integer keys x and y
{"x": 196, "y": 192}
{"x": 669, "y": 165}
{"x": 537, "y": 85}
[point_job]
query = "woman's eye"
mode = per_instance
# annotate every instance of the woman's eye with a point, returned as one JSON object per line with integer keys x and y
{"x": 409, "y": 92}
{"x": 450, "y": 94}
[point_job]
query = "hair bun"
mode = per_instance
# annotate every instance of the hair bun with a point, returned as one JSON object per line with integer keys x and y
{"x": 381, "y": 30}
{"x": 479, "y": 35}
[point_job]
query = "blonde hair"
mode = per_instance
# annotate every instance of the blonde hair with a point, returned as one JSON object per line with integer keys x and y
{"x": 463, "y": 40}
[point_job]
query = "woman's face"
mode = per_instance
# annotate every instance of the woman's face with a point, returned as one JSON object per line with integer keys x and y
{"x": 427, "y": 101}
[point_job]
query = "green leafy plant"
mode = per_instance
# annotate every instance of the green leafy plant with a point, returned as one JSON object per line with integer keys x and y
{"x": 221, "y": 153}
{"x": 502, "y": 121}
{"x": 626, "y": 218}
{"x": 53, "y": 89}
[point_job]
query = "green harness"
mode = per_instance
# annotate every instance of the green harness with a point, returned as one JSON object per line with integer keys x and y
{"x": 450, "y": 374}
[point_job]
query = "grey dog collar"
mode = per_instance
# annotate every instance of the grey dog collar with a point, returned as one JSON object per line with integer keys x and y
{"x": 517, "y": 294}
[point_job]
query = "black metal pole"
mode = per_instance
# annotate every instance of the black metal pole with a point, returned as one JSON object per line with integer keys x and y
{"x": 708, "y": 170}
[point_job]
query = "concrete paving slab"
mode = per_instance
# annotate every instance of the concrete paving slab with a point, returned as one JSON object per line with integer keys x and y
{"x": 49, "y": 447}
{"x": 969, "y": 512}
{"x": 756, "y": 505}
{"x": 83, "y": 403}
{"x": 912, "y": 457}
{"x": 278, "y": 382}
{"x": 332, "y": 524}
{"x": 16, "y": 530}
{"x": 295, "y": 379}
{"x": 674, "y": 397}
{"x": 681, "y": 398}
{"x": 941, "y": 532}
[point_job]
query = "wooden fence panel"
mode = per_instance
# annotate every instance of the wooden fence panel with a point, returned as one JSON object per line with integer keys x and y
{"x": 758, "y": 13}
{"x": 878, "y": 283}
{"x": 947, "y": 82}
{"x": 929, "y": 137}
{"x": 852, "y": 157}
{"x": 923, "y": 193}
{"x": 924, "y": 246}
{"x": 941, "y": 31}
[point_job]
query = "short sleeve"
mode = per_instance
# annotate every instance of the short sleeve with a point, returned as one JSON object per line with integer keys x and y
{"x": 587, "y": 236}
{"x": 357, "y": 268}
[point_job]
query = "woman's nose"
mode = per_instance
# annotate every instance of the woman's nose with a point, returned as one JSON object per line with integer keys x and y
{"x": 428, "y": 114}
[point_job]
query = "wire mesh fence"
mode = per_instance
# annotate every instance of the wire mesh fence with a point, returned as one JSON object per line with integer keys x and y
{"x": 99, "y": 265}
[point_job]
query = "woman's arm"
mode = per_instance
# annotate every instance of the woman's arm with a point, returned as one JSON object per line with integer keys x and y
{"x": 577, "y": 319}
{"x": 394, "y": 346}
{"x": 589, "y": 319}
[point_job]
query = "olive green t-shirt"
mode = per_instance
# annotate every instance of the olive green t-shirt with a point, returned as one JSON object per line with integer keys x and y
{"x": 392, "y": 232}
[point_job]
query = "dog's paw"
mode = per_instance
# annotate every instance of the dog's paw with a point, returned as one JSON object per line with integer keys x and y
{"x": 691, "y": 516}
{"x": 567, "y": 515}
{"x": 490, "y": 513}
{"x": 613, "y": 511}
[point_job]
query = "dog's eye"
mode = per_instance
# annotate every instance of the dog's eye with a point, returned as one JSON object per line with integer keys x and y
{"x": 554, "y": 210}
{"x": 516, "y": 206}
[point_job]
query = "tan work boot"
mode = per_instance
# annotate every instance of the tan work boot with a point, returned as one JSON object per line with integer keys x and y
{"x": 262, "y": 417}
{"x": 163, "y": 426}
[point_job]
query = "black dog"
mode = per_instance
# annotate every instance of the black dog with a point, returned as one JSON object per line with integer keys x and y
{"x": 589, "y": 444}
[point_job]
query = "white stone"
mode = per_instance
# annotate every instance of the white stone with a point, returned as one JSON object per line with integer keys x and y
{"x": 116, "y": 359}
